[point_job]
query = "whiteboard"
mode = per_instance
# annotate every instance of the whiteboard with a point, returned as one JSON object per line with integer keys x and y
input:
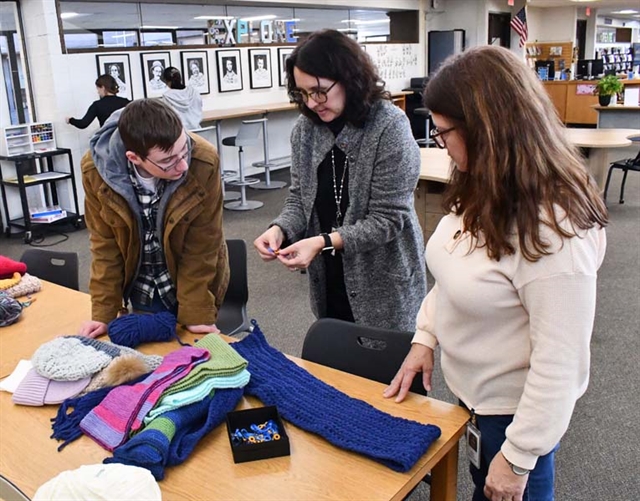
{"x": 396, "y": 63}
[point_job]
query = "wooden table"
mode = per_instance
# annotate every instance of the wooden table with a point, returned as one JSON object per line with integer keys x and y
{"x": 599, "y": 143}
{"x": 315, "y": 470}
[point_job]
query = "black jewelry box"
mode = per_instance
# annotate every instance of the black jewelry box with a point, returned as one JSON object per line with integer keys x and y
{"x": 244, "y": 452}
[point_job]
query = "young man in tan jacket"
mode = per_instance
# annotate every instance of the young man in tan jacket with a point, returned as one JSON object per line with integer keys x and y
{"x": 154, "y": 211}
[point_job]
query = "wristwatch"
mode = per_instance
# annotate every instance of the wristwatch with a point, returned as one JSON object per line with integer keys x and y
{"x": 328, "y": 247}
{"x": 521, "y": 472}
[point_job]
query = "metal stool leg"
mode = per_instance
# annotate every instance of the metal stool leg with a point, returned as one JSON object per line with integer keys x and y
{"x": 267, "y": 184}
{"x": 226, "y": 195}
{"x": 243, "y": 203}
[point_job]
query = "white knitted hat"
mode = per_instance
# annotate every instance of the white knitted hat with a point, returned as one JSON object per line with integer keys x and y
{"x": 70, "y": 358}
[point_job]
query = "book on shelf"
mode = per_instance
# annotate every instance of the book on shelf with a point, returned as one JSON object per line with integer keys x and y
{"x": 50, "y": 218}
{"x": 51, "y": 210}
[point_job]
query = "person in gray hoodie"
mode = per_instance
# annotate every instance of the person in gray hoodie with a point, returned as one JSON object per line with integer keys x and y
{"x": 186, "y": 101}
{"x": 349, "y": 217}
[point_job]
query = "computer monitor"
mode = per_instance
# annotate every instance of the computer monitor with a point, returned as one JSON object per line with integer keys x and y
{"x": 546, "y": 69}
{"x": 588, "y": 69}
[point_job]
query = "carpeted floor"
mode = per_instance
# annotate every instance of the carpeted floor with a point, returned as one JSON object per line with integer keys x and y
{"x": 597, "y": 457}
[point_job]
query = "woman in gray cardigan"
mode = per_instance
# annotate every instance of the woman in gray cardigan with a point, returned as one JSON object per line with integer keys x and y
{"x": 349, "y": 218}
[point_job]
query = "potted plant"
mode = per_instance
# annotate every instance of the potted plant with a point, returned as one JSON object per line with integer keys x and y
{"x": 607, "y": 87}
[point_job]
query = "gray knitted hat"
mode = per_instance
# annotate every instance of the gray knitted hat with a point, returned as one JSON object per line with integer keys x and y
{"x": 70, "y": 358}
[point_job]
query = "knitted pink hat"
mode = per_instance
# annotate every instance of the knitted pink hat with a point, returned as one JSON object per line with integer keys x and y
{"x": 8, "y": 267}
{"x": 37, "y": 390}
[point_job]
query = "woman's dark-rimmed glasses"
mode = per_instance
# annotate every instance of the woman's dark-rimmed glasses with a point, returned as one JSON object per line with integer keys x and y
{"x": 438, "y": 136}
{"x": 319, "y": 96}
{"x": 173, "y": 165}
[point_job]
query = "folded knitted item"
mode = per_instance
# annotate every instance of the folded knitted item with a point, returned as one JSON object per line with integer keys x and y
{"x": 70, "y": 358}
{"x": 7, "y": 283}
{"x": 10, "y": 310}
{"x": 223, "y": 361}
{"x": 169, "y": 439}
{"x": 197, "y": 393}
{"x": 124, "y": 407}
{"x": 315, "y": 406}
{"x": 8, "y": 267}
{"x": 27, "y": 285}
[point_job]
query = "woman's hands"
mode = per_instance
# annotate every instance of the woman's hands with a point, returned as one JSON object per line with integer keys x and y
{"x": 419, "y": 359}
{"x": 202, "y": 329}
{"x": 296, "y": 256}
{"x": 501, "y": 483}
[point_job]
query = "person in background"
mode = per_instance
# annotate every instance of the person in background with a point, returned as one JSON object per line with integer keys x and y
{"x": 101, "y": 109}
{"x": 153, "y": 208}
{"x": 515, "y": 264}
{"x": 349, "y": 217}
{"x": 186, "y": 101}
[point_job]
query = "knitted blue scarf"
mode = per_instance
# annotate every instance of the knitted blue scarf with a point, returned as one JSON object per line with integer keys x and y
{"x": 315, "y": 406}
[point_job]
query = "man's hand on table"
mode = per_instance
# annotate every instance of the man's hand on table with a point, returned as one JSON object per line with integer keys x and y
{"x": 92, "y": 329}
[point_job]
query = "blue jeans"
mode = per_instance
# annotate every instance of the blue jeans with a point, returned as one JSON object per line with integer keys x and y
{"x": 540, "y": 484}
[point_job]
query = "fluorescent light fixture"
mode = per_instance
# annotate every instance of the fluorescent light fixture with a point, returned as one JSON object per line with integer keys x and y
{"x": 68, "y": 15}
{"x": 214, "y": 17}
{"x": 373, "y": 21}
{"x": 583, "y": 1}
{"x": 259, "y": 18}
{"x": 348, "y": 21}
{"x": 625, "y": 11}
{"x": 149, "y": 27}
{"x": 294, "y": 20}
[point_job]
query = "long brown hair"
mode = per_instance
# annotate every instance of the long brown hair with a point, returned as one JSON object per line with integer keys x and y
{"x": 520, "y": 164}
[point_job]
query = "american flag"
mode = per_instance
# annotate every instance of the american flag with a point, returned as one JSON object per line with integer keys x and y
{"x": 519, "y": 25}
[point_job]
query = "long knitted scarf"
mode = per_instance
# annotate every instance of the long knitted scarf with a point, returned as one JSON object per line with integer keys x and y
{"x": 315, "y": 406}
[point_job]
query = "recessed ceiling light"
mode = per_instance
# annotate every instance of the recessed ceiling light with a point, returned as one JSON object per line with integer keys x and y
{"x": 625, "y": 11}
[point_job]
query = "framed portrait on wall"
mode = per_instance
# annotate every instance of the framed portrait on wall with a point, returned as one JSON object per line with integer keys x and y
{"x": 229, "y": 70}
{"x": 153, "y": 65}
{"x": 283, "y": 55}
{"x": 195, "y": 69}
{"x": 260, "y": 68}
{"x": 118, "y": 66}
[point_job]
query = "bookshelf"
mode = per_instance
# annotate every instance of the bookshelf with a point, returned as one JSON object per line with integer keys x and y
{"x": 561, "y": 53}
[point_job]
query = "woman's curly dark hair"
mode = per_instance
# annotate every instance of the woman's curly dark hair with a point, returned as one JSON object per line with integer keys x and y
{"x": 332, "y": 55}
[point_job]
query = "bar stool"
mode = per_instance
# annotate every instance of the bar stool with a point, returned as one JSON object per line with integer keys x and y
{"x": 248, "y": 135}
{"x": 267, "y": 184}
{"x": 224, "y": 174}
{"x": 427, "y": 141}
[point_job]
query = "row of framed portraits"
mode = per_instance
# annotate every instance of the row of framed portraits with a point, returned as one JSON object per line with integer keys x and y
{"x": 195, "y": 70}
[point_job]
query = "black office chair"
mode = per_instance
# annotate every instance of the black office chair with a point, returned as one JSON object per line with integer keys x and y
{"x": 369, "y": 352}
{"x": 232, "y": 316}
{"x": 58, "y": 267}
{"x": 427, "y": 141}
{"x": 625, "y": 165}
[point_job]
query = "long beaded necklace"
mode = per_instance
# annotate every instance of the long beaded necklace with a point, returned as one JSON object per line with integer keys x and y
{"x": 337, "y": 195}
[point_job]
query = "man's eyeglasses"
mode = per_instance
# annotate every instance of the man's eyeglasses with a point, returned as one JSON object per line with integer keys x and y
{"x": 438, "y": 136}
{"x": 319, "y": 96}
{"x": 166, "y": 166}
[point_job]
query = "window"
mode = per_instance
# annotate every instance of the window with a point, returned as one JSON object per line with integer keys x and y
{"x": 15, "y": 99}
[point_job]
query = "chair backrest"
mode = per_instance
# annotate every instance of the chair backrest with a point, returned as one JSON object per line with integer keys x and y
{"x": 249, "y": 132}
{"x": 58, "y": 267}
{"x": 369, "y": 352}
{"x": 206, "y": 132}
{"x": 232, "y": 316}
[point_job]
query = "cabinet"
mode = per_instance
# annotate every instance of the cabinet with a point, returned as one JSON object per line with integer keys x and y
{"x": 37, "y": 169}
{"x": 29, "y": 138}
